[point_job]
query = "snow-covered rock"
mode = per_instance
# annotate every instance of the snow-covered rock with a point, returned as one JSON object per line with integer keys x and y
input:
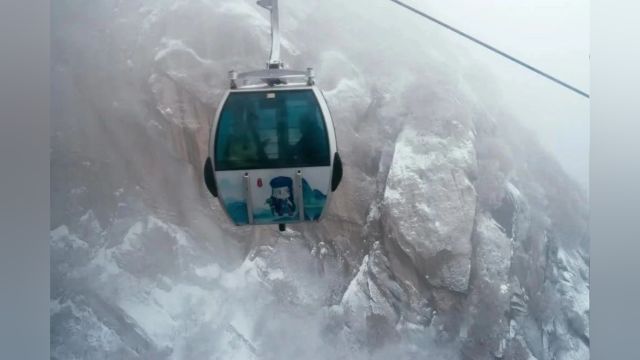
{"x": 489, "y": 299}
{"x": 430, "y": 205}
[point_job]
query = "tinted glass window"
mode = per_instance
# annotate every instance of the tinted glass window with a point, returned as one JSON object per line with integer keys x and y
{"x": 271, "y": 129}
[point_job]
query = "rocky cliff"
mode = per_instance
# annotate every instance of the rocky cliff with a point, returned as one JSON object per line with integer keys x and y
{"x": 454, "y": 235}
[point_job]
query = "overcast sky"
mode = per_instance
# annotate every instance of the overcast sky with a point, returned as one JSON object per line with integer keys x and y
{"x": 552, "y": 35}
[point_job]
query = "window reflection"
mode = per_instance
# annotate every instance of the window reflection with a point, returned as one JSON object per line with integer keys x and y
{"x": 275, "y": 129}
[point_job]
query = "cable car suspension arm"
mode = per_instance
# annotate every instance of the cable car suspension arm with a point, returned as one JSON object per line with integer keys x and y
{"x": 274, "y": 58}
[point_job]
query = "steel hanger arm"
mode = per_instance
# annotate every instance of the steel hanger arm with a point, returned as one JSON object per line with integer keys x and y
{"x": 274, "y": 57}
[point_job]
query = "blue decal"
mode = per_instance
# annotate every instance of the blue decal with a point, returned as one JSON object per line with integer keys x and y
{"x": 279, "y": 206}
{"x": 314, "y": 201}
{"x": 281, "y": 201}
{"x": 238, "y": 212}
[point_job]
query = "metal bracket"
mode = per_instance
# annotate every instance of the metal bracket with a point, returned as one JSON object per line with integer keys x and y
{"x": 271, "y": 77}
{"x": 274, "y": 75}
{"x": 248, "y": 198}
{"x": 233, "y": 77}
{"x": 311, "y": 76}
{"x": 274, "y": 58}
{"x": 298, "y": 194}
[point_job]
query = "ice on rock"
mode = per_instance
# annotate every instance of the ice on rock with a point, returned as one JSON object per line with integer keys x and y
{"x": 431, "y": 205}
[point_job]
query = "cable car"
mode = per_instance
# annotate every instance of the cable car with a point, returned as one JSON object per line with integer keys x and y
{"x": 273, "y": 156}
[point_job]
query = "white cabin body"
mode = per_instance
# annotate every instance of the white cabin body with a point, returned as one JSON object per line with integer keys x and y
{"x": 272, "y": 152}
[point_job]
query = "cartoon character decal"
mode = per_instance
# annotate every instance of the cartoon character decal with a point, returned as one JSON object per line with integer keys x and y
{"x": 281, "y": 201}
{"x": 271, "y": 204}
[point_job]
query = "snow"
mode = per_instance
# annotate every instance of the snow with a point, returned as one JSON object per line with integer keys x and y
{"x": 432, "y": 205}
{"x": 278, "y": 274}
{"x": 93, "y": 333}
{"x": 105, "y": 265}
{"x": 175, "y": 45}
{"x": 355, "y": 297}
{"x": 212, "y": 271}
{"x": 146, "y": 265}
{"x": 61, "y": 238}
{"x": 239, "y": 278}
{"x": 157, "y": 323}
{"x": 504, "y": 288}
{"x": 131, "y": 238}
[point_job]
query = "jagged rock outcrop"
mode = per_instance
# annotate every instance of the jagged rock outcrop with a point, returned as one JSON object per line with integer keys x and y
{"x": 430, "y": 204}
{"x": 489, "y": 299}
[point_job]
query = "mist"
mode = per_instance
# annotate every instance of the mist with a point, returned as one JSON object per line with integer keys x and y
{"x": 459, "y": 230}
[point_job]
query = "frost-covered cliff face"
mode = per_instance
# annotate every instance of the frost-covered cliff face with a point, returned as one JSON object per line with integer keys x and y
{"x": 452, "y": 236}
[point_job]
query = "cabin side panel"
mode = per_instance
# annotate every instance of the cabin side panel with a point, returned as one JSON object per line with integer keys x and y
{"x": 232, "y": 195}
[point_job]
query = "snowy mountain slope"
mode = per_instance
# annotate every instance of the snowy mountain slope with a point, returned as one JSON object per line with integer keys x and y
{"x": 453, "y": 234}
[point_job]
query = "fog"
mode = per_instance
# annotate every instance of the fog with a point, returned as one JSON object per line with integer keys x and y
{"x": 455, "y": 233}
{"x": 550, "y": 35}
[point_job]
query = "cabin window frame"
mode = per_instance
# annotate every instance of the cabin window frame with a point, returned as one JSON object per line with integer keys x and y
{"x": 279, "y": 163}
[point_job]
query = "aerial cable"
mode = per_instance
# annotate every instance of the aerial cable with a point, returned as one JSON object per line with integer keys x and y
{"x": 499, "y": 52}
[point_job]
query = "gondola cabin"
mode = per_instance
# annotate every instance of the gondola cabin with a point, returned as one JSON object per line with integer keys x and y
{"x": 273, "y": 156}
